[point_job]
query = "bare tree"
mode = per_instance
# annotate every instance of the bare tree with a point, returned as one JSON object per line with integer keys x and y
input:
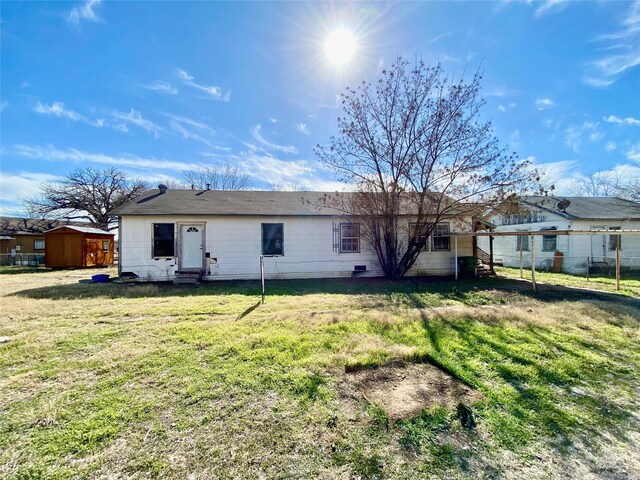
{"x": 608, "y": 184}
{"x": 227, "y": 177}
{"x": 85, "y": 194}
{"x": 413, "y": 142}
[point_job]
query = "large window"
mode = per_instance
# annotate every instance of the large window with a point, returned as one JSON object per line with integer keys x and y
{"x": 441, "y": 240}
{"x": 549, "y": 242}
{"x": 272, "y": 239}
{"x": 38, "y": 245}
{"x": 522, "y": 243}
{"x": 349, "y": 238}
{"x": 613, "y": 239}
{"x": 163, "y": 240}
{"x": 421, "y": 238}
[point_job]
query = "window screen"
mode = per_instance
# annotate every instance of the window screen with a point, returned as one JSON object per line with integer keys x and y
{"x": 273, "y": 239}
{"x": 613, "y": 239}
{"x": 549, "y": 242}
{"x": 422, "y": 238}
{"x": 441, "y": 238}
{"x": 522, "y": 243}
{"x": 349, "y": 238}
{"x": 163, "y": 240}
{"x": 38, "y": 244}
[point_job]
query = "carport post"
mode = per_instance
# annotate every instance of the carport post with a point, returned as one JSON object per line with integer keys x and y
{"x": 521, "y": 258}
{"x": 617, "y": 262}
{"x": 262, "y": 275}
{"x": 455, "y": 249}
{"x": 533, "y": 263}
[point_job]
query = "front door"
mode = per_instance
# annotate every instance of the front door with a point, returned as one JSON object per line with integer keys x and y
{"x": 191, "y": 243}
{"x": 598, "y": 243}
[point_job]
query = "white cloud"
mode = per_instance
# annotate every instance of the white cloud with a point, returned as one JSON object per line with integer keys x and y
{"x": 52, "y": 154}
{"x": 213, "y": 91}
{"x": 84, "y": 12}
{"x": 57, "y": 109}
{"x": 624, "y": 53}
{"x": 634, "y": 153}
{"x": 303, "y": 128}
{"x": 628, "y": 120}
{"x": 502, "y": 108}
{"x": 551, "y": 6}
{"x": 3, "y": 105}
{"x": 610, "y": 146}
{"x": 574, "y": 134}
{"x": 164, "y": 87}
{"x": 273, "y": 120}
{"x": 14, "y": 186}
{"x": 543, "y": 103}
{"x": 257, "y": 135}
{"x": 134, "y": 117}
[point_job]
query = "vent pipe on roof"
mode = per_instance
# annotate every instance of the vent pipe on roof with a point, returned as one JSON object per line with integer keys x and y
{"x": 163, "y": 188}
{"x": 208, "y": 186}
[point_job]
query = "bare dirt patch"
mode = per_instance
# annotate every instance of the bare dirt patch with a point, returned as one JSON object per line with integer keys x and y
{"x": 404, "y": 390}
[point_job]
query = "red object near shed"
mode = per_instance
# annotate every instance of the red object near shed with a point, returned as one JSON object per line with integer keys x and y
{"x": 70, "y": 246}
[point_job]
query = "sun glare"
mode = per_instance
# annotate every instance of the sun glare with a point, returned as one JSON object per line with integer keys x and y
{"x": 340, "y": 46}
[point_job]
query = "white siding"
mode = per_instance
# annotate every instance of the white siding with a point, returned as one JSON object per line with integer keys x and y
{"x": 235, "y": 244}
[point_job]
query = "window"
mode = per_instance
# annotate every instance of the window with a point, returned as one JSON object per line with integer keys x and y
{"x": 549, "y": 242}
{"x": 422, "y": 238}
{"x": 440, "y": 240}
{"x": 163, "y": 240}
{"x": 522, "y": 243}
{"x": 273, "y": 239}
{"x": 105, "y": 246}
{"x": 38, "y": 244}
{"x": 613, "y": 239}
{"x": 349, "y": 238}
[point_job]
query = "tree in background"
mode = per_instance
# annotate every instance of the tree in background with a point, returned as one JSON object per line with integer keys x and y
{"x": 608, "y": 184}
{"x": 227, "y": 177}
{"x": 414, "y": 141}
{"x": 85, "y": 194}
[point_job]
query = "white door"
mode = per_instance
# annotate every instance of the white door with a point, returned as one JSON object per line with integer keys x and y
{"x": 190, "y": 246}
{"x": 598, "y": 243}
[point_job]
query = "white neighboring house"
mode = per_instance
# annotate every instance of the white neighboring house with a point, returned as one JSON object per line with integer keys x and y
{"x": 538, "y": 213}
{"x": 221, "y": 234}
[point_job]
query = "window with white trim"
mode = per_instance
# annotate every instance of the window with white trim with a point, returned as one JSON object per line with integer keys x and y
{"x": 423, "y": 238}
{"x": 613, "y": 239}
{"x": 441, "y": 240}
{"x": 349, "y": 238}
{"x": 522, "y": 243}
{"x": 38, "y": 244}
{"x": 549, "y": 242}
{"x": 105, "y": 246}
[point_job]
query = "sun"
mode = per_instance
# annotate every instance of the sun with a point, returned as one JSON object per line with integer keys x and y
{"x": 340, "y": 46}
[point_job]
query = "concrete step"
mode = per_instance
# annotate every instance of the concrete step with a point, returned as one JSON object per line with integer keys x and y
{"x": 187, "y": 278}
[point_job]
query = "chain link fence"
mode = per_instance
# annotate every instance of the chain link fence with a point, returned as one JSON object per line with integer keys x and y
{"x": 22, "y": 259}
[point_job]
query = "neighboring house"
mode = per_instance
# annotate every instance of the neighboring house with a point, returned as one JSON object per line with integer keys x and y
{"x": 70, "y": 246}
{"x": 22, "y": 239}
{"x": 548, "y": 214}
{"x": 222, "y": 234}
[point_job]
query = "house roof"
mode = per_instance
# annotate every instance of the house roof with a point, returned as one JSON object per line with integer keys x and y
{"x": 596, "y": 208}
{"x": 239, "y": 202}
{"x": 82, "y": 229}
{"x": 31, "y": 226}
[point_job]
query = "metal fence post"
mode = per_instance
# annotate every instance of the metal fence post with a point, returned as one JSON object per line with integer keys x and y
{"x": 617, "y": 262}
{"x": 533, "y": 263}
{"x": 262, "y": 275}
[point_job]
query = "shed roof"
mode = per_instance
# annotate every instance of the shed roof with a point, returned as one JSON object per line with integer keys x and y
{"x": 96, "y": 231}
{"x": 32, "y": 226}
{"x": 596, "y": 208}
{"x": 239, "y": 202}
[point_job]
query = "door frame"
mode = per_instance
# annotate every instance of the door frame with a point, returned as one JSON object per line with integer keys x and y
{"x": 202, "y": 226}
{"x": 604, "y": 240}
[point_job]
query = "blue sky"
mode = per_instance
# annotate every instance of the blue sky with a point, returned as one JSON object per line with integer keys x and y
{"x": 157, "y": 88}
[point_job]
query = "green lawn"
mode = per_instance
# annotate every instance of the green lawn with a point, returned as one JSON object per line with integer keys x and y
{"x": 143, "y": 381}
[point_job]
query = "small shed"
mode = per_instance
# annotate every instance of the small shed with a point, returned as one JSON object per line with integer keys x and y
{"x": 71, "y": 246}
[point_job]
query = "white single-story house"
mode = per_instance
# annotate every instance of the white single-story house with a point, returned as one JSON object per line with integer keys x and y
{"x": 549, "y": 214}
{"x": 221, "y": 235}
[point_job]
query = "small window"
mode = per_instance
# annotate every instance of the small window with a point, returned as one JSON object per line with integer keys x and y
{"x": 38, "y": 244}
{"x": 273, "y": 239}
{"x": 192, "y": 230}
{"x": 522, "y": 243}
{"x": 440, "y": 240}
{"x": 549, "y": 242}
{"x": 613, "y": 239}
{"x": 105, "y": 246}
{"x": 349, "y": 238}
{"x": 163, "y": 240}
{"x": 423, "y": 238}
